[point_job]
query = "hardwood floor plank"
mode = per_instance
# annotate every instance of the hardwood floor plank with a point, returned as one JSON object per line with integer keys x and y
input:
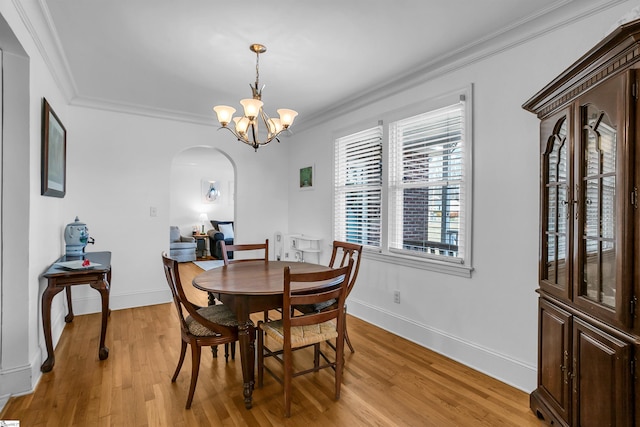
{"x": 388, "y": 381}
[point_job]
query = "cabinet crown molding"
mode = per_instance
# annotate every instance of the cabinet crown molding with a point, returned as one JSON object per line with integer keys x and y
{"x": 619, "y": 51}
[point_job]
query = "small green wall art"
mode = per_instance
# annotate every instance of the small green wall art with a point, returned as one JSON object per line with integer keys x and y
{"x": 307, "y": 177}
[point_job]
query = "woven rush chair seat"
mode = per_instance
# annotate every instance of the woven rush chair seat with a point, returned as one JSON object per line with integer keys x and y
{"x": 220, "y": 314}
{"x": 302, "y": 335}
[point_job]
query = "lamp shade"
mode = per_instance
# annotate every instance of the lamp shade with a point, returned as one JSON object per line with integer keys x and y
{"x": 204, "y": 218}
{"x": 242, "y": 123}
{"x": 251, "y": 107}
{"x": 287, "y": 116}
{"x": 225, "y": 113}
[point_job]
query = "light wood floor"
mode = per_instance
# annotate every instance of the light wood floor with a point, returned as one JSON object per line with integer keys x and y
{"x": 388, "y": 381}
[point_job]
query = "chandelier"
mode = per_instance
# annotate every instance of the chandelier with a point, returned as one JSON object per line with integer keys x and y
{"x": 246, "y": 127}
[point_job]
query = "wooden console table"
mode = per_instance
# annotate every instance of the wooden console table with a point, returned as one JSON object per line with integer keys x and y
{"x": 59, "y": 278}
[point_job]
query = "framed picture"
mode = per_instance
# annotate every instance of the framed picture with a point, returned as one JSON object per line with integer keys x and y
{"x": 307, "y": 175}
{"x": 210, "y": 191}
{"x": 54, "y": 154}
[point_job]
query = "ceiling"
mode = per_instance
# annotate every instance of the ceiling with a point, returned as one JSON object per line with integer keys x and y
{"x": 180, "y": 58}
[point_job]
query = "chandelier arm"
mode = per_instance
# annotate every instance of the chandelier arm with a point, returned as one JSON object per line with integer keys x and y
{"x": 265, "y": 119}
{"x": 255, "y": 143}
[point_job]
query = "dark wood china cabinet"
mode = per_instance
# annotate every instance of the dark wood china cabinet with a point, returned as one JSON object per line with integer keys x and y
{"x": 589, "y": 260}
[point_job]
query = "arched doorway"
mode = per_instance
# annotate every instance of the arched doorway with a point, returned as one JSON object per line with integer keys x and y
{"x": 194, "y": 173}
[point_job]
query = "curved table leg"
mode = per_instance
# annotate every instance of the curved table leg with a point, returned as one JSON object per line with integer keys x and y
{"x": 69, "y": 317}
{"x": 47, "y": 297}
{"x": 103, "y": 288}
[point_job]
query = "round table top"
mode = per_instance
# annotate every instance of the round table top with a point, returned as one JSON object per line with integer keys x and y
{"x": 254, "y": 278}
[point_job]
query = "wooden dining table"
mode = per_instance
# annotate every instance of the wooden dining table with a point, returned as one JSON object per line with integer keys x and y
{"x": 253, "y": 287}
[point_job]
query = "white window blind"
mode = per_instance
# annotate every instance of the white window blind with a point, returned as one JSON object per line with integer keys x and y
{"x": 358, "y": 188}
{"x": 427, "y": 184}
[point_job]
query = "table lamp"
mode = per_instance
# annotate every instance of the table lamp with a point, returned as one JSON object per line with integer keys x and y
{"x": 203, "y": 220}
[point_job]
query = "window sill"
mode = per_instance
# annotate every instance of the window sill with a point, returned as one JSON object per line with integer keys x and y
{"x": 421, "y": 263}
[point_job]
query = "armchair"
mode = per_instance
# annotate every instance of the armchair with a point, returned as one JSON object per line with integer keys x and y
{"x": 181, "y": 248}
{"x": 217, "y": 235}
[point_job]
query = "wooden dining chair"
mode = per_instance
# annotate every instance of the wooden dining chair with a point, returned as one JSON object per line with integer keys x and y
{"x": 296, "y": 330}
{"x": 342, "y": 254}
{"x": 245, "y": 247}
{"x": 203, "y": 326}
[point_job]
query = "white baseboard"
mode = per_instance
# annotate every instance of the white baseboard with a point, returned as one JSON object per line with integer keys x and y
{"x": 93, "y": 303}
{"x": 18, "y": 381}
{"x": 502, "y": 367}
{"x": 3, "y": 400}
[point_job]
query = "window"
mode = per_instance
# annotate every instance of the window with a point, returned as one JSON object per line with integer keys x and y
{"x": 427, "y": 182}
{"x": 404, "y": 189}
{"x": 358, "y": 188}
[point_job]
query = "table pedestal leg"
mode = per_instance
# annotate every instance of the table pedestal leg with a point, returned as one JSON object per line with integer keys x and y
{"x": 246, "y": 335}
{"x": 47, "y": 297}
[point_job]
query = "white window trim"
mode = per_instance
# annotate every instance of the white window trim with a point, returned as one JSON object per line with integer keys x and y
{"x": 452, "y": 267}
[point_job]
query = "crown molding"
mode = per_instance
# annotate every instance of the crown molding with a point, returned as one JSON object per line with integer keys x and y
{"x": 562, "y": 13}
{"x": 37, "y": 20}
{"x": 520, "y": 32}
{"x": 143, "y": 110}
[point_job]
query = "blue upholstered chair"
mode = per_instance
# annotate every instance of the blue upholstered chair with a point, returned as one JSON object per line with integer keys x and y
{"x": 181, "y": 248}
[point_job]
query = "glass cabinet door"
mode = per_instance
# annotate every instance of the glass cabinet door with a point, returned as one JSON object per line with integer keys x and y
{"x": 599, "y": 207}
{"x": 603, "y": 235}
{"x": 554, "y": 271}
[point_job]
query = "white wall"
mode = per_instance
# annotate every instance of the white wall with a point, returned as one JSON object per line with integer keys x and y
{"x": 120, "y": 166}
{"x": 189, "y": 168}
{"x": 489, "y": 321}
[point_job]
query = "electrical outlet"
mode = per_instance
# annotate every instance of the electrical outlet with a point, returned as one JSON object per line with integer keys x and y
{"x": 153, "y": 211}
{"x": 396, "y": 297}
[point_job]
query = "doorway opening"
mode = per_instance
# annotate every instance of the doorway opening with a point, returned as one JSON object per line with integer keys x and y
{"x": 202, "y": 190}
